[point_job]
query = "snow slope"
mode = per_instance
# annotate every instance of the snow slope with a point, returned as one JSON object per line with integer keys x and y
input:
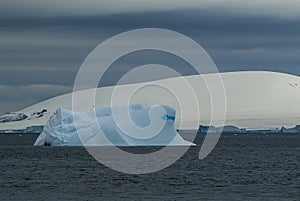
{"x": 255, "y": 100}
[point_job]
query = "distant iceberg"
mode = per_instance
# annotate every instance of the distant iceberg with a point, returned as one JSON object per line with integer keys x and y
{"x": 235, "y": 130}
{"x": 27, "y": 130}
{"x": 293, "y": 130}
{"x": 60, "y": 130}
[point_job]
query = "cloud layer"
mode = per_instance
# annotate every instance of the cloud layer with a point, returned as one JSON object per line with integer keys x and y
{"x": 58, "y": 8}
{"x": 13, "y": 98}
{"x": 43, "y": 43}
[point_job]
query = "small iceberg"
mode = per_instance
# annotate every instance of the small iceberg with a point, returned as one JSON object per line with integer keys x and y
{"x": 236, "y": 130}
{"x": 100, "y": 128}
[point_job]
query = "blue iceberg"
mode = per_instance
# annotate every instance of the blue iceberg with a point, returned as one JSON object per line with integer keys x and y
{"x": 107, "y": 126}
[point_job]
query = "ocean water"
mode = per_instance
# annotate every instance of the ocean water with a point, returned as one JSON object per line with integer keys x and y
{"x": 241, "y": 167}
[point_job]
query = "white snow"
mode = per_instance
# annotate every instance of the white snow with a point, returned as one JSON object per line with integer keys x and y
{"x": 255, "y": 100}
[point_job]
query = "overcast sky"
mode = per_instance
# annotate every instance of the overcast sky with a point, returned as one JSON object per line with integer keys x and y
{"x": 43, "y": 43}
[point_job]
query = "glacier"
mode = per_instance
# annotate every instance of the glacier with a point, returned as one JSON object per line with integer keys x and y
{"x": 248, "y": 95}
{"x": 70, "y": 128}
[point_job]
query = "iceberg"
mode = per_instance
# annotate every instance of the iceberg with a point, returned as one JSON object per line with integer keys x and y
{"x": 224, "y": 129}
{"x": 236, "y": 130}
{"x": 99, "y": 127}
{"x": 27, "y": 130}
{"x": 294, "y": 130}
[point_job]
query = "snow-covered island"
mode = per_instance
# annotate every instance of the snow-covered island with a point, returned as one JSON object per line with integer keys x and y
{"x": 257, "y": 100}
{"x": 13, "y": 117}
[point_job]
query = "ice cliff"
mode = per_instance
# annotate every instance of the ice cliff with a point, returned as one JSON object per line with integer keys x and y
{"x": 65, "y": 127}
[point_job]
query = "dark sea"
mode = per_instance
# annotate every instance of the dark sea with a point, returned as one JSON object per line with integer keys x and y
{"x": 241, "y": 167}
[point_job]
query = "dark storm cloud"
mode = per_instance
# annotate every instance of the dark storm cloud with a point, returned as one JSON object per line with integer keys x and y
{"x": 61, "y": 44}
{"x": 49, "y": 50}
{"x": 13, "y": 98}
{"x": 33, "y": 8}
